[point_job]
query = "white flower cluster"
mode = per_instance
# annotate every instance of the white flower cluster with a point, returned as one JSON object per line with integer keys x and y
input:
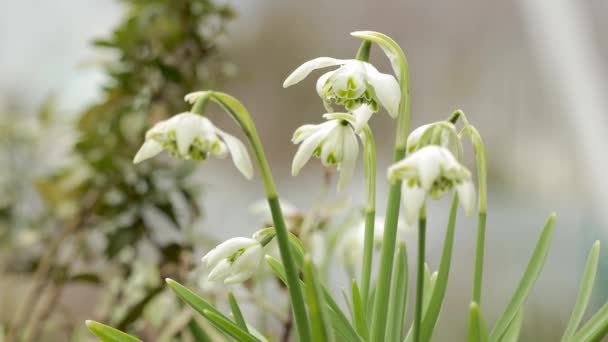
{"x": 361, "y": 89}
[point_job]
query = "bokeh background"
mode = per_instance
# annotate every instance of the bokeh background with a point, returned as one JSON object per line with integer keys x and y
{"x": 530, "y": 74}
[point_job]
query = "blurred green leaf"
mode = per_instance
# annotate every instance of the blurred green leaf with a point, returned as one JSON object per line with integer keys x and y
{"x": 109, "y": 334}
{"x": 532, "y": 272}
{"x": 584, "y": 294}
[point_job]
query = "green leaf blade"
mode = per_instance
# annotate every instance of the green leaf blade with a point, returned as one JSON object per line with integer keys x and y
{"x": 535, "y": 266}
{"x": 109, "y": 334}
{"x": 584, "y": 293}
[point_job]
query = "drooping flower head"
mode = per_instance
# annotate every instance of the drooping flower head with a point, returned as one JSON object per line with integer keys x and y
{"x": 441, "y": 133}
{"x": 432, "y": 170}
{"x": 234, "y": 260}
{"x": 334, "y": 142}
{"x": 353, "y": 84}
{"x": 192, "y": 136}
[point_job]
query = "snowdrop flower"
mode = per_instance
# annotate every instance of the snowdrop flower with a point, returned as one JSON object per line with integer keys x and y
{"x": 350, "y": 248}
{"x": 354, "y": 83}
{"x": 442, "y": 133}
{"x": 333, "y": 141}
{"x": 432, "y": 170}
{"x": 192, "y": 136}
{"x": 234, "y": 260}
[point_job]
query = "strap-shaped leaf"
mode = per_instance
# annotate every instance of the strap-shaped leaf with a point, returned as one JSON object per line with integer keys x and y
{"x": 316, "y": 304}
{"x": 202, "y": 306}
{"x": 512, "y": 333}
{"x": 359, "y": 313}
{"x": 229, "y": 327}
{"x": 398, "y": 297}
{"x": 109, "y": 334}
{"x": 199, "y": 334}
{"x": 277, "y": 268}
{"x": 595, "y": 329}
{"x": 478, "y": 331}
{"x": 535, "y": 266}
{"x": 584, "y": 294}
{"x": 236, "y": 312}
{"x": 432, "y": 313}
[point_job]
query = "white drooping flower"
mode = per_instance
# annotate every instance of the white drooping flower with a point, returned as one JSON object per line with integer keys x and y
{"x": 192, "y": 136}
{"x": 442, "y": 133}
{"x": 354, "y": 83}
{"x": 234, "y": 260}
{"x": 350, "y": 247}
{"x": 334, "y": 142}
{"x": 432, "y": 170}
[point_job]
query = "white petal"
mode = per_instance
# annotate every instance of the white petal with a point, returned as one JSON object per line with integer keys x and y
{"x": 245, "y": 265}
{"x": 305, "y": 69}
{"x": 220, "y": 271}
{"x": 226, "y": 249}
{"x": 239, "y": 154}
{"x": 466, "y": 193}
{"x": 386, "y": 88}
{"x": 333, "y": 145}
{"x": 303, "y": 132}
{"x": 414, "y": 138}
{"x": 186, "y": 129}
{"x": 149, "y": 149}
{"x": 349, "y": 157}
{"x": 362, "y": 115}
{"x": 307, "y": 147}
{"x": 413, "y": 200}
{"x": 322, "y": 80}
{"x": 428, "y": 160}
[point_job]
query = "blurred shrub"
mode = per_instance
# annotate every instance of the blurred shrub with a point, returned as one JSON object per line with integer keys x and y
{"x": 106, "y": 213}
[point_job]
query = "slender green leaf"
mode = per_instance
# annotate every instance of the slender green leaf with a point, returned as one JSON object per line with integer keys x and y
{"x": 428, "y": 287}
{"x": 359, "y": 314}
{"x": 109, "y": 334}
{"x": 595, "y": 329}
{"x": 532, "y": 272}
{"x": 398, "y": 297}
{"x": 236, "y": 312}
{"x": 199, "y": 334}
{"x": 229, "y": 327}
{"x": 478, "y": 331}
{"x": 298, "y": 249}
{"x": 202, "y": 306}
{"x": 316, "y": 304}
{"x": 339, "y": 320}
{"x": 514, "y": 329}
{"x": 277, "y": 268}
{"x": 584, "y": 294}
{"x": 434, "y": 307}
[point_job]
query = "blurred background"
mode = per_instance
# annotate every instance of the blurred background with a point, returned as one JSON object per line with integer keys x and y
{"x": 77, "y": 220}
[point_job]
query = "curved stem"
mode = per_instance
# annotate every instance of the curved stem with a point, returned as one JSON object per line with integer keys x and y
{"x": 482, "y": 171}
{"x": 238, "y": 112}
{"x": 420, "y": 273}
{"x": 370, "y": 213}
{"x": 401, "y": 69}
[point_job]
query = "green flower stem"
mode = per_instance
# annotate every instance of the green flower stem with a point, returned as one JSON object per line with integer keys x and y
{"x": 420, "y": 274}
{"x": 238, "y": 112}
{"x": 363, "y": 52}
{"x": 482, "y": 172}
{"x": 370, "y": 213}
{"x": 369, "y": 160}
{"x": 387, "y": 254}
